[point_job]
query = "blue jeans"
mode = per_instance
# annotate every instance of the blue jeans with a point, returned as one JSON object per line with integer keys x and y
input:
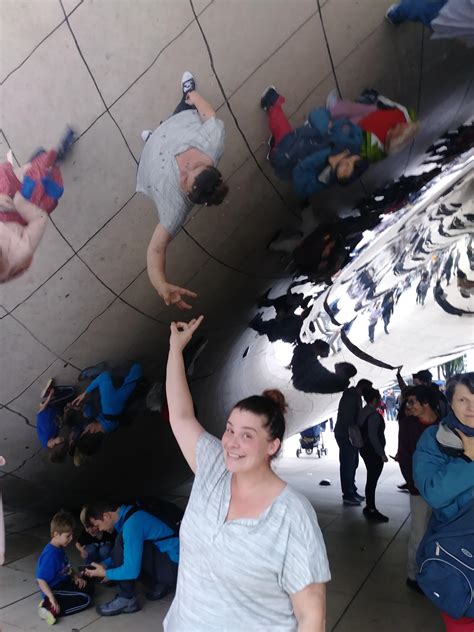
{"x": 98, "y": 553}
{"x": 417, "y": 11}
{"x": 113, "y": 400}
{"x": 348, "y": 461}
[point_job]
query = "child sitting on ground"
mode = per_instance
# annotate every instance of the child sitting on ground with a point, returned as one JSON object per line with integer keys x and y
{"x": 27, "y": 195}
{"x": 94, "y": 545}
{"x": 63, "y": 591}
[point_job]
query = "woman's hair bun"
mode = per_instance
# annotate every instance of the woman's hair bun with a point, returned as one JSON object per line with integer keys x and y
{"x": 277, "y": 398}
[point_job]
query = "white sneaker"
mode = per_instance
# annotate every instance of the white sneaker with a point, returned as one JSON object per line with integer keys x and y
{"x": 332, "y": 99}
{"x": 187, "y": 82}
{"x": 146, "y": 134}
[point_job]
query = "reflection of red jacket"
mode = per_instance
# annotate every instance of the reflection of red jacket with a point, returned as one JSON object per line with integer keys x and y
{"x": 409, "y": 431}
{"x": 380, "y": 121}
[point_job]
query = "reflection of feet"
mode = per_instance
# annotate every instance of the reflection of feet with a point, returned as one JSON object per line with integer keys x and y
{"x": 358, "y": 496}
{"x": 146, "y": 134}
{"x": 118, "y": 605}
{"x": 332, "y": 99}
{"x": 351, "y": 501}
{"x": 2, "y": 461}
{"x": 192, "y": 353}
{"x": 154, "y": 398}
{"x": 390, "y": 15}
{"x": 188, "y": 84}
{"x": 92, "y": 372}
{"x": 374, "y": 515}
{"x": 269, "y": 98}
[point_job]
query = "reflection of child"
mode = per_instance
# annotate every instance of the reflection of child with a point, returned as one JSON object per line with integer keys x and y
{"x": 27, "y": 195}
{"x": 46, "y": 421}
{"x": 94, "y": 545}
{"x": 64, "y": 591}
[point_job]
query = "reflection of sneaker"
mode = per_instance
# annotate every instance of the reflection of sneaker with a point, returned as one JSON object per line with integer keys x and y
{"x": 332, "y": 99}
{"x": 92, "y": 372}
{"x": 351, "y": 501}
{"x": 46, "y": 614}
{"x": 154, "y": 398}
{"x": 271, "y": 145}
{"x": 188, "y": 83}
{"x": 389, "y": 15}
{"x": 374, "y": 515}
{"x": 269, "y": 98}
{"x": 146, "y": 134}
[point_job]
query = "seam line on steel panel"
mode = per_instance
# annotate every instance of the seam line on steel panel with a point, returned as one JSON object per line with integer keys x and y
{"x": 418, "y": 95}
{"x": 229, "y": 107}
{"x": 38, "y": 45}
{"x": 81, "y": 54}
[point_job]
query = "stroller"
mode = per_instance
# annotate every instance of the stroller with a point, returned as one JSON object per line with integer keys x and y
{"x": 312, "y": 439}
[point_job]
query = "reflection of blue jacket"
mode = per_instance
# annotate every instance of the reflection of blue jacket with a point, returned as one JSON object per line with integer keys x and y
{"x": 141, "y": 526}
{"x": 315, "y": 141}
{"x": 444, "y": 479}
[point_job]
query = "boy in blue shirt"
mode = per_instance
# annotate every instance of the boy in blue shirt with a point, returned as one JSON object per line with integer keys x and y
{"x": 47, "y": 427}
{"x": 64, "y": 591}
{"x": 145, "y": 547}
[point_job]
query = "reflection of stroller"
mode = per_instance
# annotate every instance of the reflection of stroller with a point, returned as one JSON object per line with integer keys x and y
{"x": 312, "y": 439}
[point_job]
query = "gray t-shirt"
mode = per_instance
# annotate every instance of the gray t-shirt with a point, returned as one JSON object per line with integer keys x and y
{"x": 239, "y": 575}
{"x": 158, "y": 172}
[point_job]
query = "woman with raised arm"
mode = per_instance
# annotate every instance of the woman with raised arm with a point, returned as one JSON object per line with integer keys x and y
{"x": 252, "y": 556}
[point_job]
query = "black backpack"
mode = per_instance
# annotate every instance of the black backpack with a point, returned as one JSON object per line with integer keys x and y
{"x": 167, "y": 512}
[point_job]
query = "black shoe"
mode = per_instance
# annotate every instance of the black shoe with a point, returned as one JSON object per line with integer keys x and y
{"x": 413, "y": 584}
{"x": 351, "y": 501}
{"x": 158, "y": 592}
{"x": 358, "y": 496}
{"x": 403, "y": 488}
{"x": 269, "y": 98}
{"x": 374, "y": 515}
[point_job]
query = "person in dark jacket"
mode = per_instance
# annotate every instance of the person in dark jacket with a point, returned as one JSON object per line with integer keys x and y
{"x": 372, "y": 429}
{"x": 443, "y": 464}
{"x": 310, "y": 376}
{"x": 350, "y": 405}
{"x": 421, "y": 412}
{"x": 315, "y": 155}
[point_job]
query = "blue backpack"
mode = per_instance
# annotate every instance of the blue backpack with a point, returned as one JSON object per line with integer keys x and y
{"x": 445, "y": 558}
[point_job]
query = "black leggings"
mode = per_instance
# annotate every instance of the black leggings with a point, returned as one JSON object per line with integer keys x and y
{"x": 70, "y": 598}
{"x": 374, "y": 464}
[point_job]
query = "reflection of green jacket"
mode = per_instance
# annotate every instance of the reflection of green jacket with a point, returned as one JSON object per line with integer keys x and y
{"x": 372, "y": 148}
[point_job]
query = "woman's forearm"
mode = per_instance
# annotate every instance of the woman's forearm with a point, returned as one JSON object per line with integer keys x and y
{"x": 180, "y": 403}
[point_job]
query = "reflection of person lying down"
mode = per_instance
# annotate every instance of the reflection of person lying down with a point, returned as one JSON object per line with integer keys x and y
{"x": 177, "y": 170}
{"x": 27, "y": 195}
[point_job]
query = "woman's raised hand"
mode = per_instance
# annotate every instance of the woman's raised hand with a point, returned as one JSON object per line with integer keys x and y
{"x": 181, "y": 333}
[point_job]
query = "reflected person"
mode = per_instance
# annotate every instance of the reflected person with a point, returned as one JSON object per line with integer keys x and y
{"x": 177, "y": 170}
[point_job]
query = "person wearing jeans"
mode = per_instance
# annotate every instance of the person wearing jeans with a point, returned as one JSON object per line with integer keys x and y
{"x": 421, "y": 412}
{"x": 372, "y": 429}
{"x": 347, "y": 415}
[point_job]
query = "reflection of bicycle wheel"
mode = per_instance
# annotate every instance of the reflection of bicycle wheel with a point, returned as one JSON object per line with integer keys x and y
{"x": 298, "y": 452}
{"x": 309, "y": 450}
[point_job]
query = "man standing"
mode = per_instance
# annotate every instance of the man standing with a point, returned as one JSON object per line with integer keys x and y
{"x": 347, "y": 415}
